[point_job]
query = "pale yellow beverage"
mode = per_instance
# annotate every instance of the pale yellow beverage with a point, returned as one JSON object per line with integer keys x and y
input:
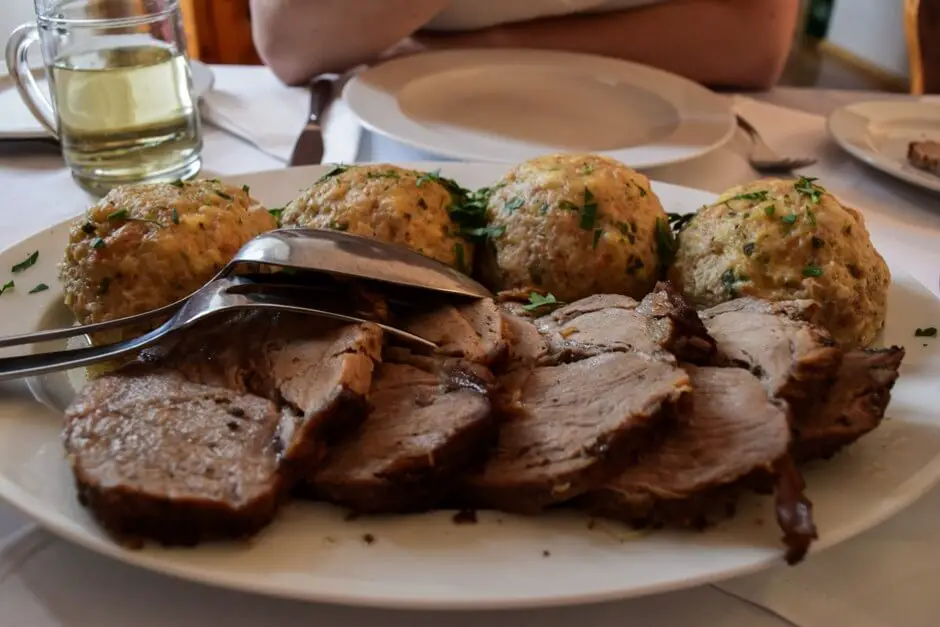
{"x": 126, "y": 114}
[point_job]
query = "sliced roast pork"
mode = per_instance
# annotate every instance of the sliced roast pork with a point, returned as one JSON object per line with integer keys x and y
{"x": 572, "y": 426}
{"x": 776, "y": 341}
{"x": 430, "y": 422}
{"x": 473, "y": 331}
{"x": 158, "y": 457}
{"x": 730, "y": 433}
{"x": 321, "y": 371}
{"x": 854, "y": 405}
{"x": 662, "y": 326}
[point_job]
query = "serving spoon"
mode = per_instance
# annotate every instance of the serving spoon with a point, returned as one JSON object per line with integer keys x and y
{"x": 341, "y": 255}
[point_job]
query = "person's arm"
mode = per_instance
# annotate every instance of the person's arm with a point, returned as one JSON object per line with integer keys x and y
{"x": 299, "y": 39}
{"x": 733, "y": 43}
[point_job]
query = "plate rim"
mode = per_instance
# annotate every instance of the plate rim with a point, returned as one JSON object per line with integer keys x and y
{"x": 353, "y": 91}
{"x": 6, "y": 82}
{"x": 835, "y": 126}
{"x": 913, "y": 487}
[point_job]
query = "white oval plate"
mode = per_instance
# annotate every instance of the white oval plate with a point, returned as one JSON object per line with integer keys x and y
{"x": 16, "y": 121}
{"x": 878, "y": 133}
{"x": 427, "y": 561}
{"x": 510, "y": 105}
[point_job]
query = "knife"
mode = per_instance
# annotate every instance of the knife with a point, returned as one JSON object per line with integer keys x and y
{"x": 309, "y": 147}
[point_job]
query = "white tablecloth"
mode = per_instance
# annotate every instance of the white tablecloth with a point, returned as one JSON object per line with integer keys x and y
{"x": 881, "y": 578}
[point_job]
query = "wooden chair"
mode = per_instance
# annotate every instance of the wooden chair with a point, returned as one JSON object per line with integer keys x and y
{"x": 922, "y": 29}
{"x": 219, "y": 31}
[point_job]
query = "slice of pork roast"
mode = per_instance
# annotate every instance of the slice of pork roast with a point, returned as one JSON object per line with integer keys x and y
{"x": 158, "y": 457}
{"x": 853, "y": 406}
{"x": 731, "y": 435}
{"x": 430, "y": 422}
{"x": 776, "y": 341}
{"x": 318, "y": 369}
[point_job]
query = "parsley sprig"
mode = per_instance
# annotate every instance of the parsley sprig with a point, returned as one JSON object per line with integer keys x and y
{"x": 538, "y": 301}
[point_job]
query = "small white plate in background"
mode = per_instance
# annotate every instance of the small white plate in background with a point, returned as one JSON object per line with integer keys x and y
{"x": 879, "y": 133}
{"x": 506, "y": 106}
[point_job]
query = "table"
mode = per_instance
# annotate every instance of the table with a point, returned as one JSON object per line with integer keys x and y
{"x": 31, "y": 174}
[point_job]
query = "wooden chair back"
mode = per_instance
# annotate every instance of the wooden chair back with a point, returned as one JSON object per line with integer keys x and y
{"x": 922, "y": 30}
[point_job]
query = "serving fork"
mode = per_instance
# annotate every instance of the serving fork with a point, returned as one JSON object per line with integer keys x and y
{"x": 227, "y": 294}
{"x": 372, "y": 262}
{"x": 330, "y": 261}
{"x": 764, "y": 159}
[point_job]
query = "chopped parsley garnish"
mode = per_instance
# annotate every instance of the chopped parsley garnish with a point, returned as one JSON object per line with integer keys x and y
{"x": 29, "y": 262}
{"x": 789, "y": 218}
{"x": 222, "y": 194}
{"x": 88, "y": 228}
{"x": 588, "y": 211}
{"x": 177, "y": 183}
{"x": 459, "y": 254}
{"x": 42, "y": 287}
{"x": 665, "y": 243}
{"x": 634, "y": 264}
{"x": 6, "y": 287}
{"x": 388, "y": 174}
{"x": 175, "y": 216}
{"x": 811, "y": 216}
{"x": 339, "y": 226}
{"x": 928, "y": 332}
{"x": 626, "y": 231}
{"x": 597, "y": 238}
{"x": 818, "y": 242}
{"x": 429, "y": 177}
{"x": 769, "y": 210}
{"x": 678, "y": 221}
{"x": 484, "y": 232}
{"x": 276, "y": 212}
{"x": 104, "y": 285}
{"x": 807, "y": 187}
{"x": 537, "y": 301}
{"x": 758, "y": 196}
{"x": 544, "y": 208}
{"x": 246, "y": 189}
{"x": 587, "y": 168}
{"x": 643, "y": 191}
{"x": 730, "y": 282}
{"x": 513, "y": 204}
{"x": 812, "y": 271}
{"x": 336, "y": 170}
{"x": 749, "y": 248}
{"x": 124, "y": 214}
{"x": 98, "y": 243}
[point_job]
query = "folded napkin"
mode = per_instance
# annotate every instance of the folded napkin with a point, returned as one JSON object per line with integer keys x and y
{"x": 250, "y": 103}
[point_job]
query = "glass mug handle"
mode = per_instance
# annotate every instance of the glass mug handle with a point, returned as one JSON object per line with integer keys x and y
{"x": 17, "y": 62}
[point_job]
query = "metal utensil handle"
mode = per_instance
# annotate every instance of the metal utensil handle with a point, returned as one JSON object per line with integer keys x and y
{"x": 87, "y": 329}
{"x": 275, "y": 304}
{"x": 18, "y": 64}
{"x": 42, "y": 363}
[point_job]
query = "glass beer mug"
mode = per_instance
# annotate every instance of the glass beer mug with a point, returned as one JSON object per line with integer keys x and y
{"x": 122, "y": 97}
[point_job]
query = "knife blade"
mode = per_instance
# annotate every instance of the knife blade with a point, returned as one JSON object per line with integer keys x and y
{"x": 309, "y": 147}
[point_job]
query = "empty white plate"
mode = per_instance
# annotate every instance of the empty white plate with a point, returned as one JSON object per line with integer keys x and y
{"x": 16, "y": 122}
{"x": 512, "y": 105}
{"x": 879, "y": 133}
